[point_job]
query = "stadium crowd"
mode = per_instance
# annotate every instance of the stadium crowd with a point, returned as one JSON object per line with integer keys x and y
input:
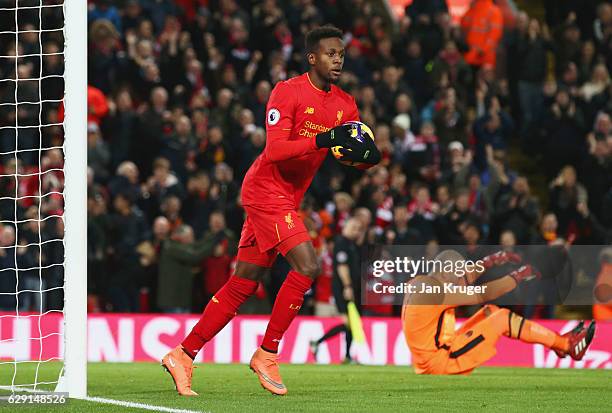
{"x": 176, "y": 110}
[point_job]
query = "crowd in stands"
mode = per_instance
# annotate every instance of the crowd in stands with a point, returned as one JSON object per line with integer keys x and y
{"x": 490, "y": 134}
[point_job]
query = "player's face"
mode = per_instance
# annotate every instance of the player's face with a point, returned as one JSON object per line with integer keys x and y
{"x": 329, "y": 59}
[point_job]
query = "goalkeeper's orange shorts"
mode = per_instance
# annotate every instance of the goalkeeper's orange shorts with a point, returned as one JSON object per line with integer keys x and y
{"x": 473, "y": 344}
{"x": 476, "y": 340}
{"x": 266, "y": 233}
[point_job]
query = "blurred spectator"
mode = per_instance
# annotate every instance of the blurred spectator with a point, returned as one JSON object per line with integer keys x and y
{"x": 98, "y": 154}
{"x": 8, "y": 280}
{"x": 602, "y": 310}
{"x": 103, "y": 9}
{"x": 450, "y": 119}
{"x": 179, "y": 148}
{"x": 128, "y": 229}
{"x": 531, "y": 49}
{"x": 518, "y": 210}
{"x": 161, "y": 184}
{"x": 566, "y": 193}
{"x": 179, "y": 256}
{"x": 324, "y": 305}
{"x": 154, "y": 123}
{"x": 216, "y": 268}
{"x": 400, "y": 233}
{"x": 483, "y": 26}
{"x": 563, "y": 129}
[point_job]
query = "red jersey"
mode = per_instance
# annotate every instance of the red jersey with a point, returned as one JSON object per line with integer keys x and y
{"x": 296, "y": 112}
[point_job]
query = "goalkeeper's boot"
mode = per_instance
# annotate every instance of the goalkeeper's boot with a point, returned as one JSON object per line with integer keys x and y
{"x": 265, "y": 365}
{"x": 579, "y": 342}
{"x": 180, "y": 366}
{"x": 579, "y": 327}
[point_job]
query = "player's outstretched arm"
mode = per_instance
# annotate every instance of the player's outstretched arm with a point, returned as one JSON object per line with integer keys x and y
{"x": 493, "y": 289}
{"x": 490, "y": 261}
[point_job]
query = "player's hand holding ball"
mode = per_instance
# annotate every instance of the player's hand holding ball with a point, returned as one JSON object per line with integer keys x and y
{"x": 352, "y": 144}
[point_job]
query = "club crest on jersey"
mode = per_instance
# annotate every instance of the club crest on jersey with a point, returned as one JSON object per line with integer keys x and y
{"x": 309, "y": 110}
{"x": 339, "y": 117}
{"x": 273, "y": 116}
{"x": 289, "y": 221}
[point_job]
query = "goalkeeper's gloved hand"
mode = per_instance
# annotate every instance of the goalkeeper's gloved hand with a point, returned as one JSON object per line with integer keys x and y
{"x": 499, "y": 258}
{"x": 525, "y": 273}
{"x": 366, "y": 152}
{"x": 340, "y": 135}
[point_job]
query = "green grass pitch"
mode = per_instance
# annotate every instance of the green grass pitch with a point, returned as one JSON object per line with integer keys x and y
{"x": 319, "y": 388}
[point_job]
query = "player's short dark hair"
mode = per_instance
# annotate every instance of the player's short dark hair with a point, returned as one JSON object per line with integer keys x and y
{"x": 323, "y": 32}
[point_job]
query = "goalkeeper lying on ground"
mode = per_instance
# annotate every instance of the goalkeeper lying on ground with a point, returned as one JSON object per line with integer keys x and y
{"x": 429, "y": 320}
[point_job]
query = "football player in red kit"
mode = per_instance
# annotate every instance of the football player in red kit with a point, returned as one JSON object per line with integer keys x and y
{"x": 305, "y": 116}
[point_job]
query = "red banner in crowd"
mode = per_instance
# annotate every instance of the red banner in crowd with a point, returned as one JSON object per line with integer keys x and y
{"x": 147, "y": 337}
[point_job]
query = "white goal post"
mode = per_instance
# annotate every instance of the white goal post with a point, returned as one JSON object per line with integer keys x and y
{"x": 32, "y": 350}
{"x": 74, "y": 379}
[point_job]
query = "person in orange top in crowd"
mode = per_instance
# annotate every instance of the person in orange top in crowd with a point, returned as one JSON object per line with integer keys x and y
{"x": 97, "y": 106}
{"x": 483, "y": 26}
{"x": 603, "y": 288}
{"x": 428, "y": 317}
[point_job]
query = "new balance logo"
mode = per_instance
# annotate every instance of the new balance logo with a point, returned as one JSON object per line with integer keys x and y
{"x": 294, "y": 307}
{"x": 309, "y": 110}
{"x": 214, "y": 300}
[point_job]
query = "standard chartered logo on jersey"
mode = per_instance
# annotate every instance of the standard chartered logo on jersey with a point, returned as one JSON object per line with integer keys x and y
{"x": 311, "y": 129}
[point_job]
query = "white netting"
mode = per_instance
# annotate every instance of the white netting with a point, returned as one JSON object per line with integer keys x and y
{"x": 31, "y": 193}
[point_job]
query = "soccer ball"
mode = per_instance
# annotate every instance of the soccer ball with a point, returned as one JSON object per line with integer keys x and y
{"x": 359, "y": 131}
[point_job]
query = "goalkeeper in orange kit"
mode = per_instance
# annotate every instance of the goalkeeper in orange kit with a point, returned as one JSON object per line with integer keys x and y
{"x": 429, "y": 320}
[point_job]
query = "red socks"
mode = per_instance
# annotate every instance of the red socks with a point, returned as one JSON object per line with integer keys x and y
{"x": 288, "y": 303}
{"x": 223, "y": 306}
{"x": 219, "y": 311}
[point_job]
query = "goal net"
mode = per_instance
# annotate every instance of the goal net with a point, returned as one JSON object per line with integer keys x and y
{"x": 43, "y": 157}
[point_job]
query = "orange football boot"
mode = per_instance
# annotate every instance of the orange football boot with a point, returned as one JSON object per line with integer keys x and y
{"x": 180, "y": 366}
{"x": 265, "y": 365}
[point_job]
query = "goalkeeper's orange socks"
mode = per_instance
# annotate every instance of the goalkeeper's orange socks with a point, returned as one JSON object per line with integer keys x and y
{"x": 221, "y": 308}
{"x": 532, "y": 332}
{"x": 288, "y": 303}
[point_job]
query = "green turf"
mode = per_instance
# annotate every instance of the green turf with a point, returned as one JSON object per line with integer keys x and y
{"x": 233, "y": 388}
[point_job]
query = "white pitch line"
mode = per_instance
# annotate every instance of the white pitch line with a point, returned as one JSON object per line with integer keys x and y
{"x": 138, "y": 405}
{"x": 122, "y": 403}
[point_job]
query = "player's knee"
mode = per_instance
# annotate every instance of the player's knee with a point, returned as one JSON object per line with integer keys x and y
{"x": 500, "y": 313}
{"x": 310, "y": 268}
{"x": 515, "y": 325}
{"x": 249, "y": 271}
{"x": 490, "y": 309}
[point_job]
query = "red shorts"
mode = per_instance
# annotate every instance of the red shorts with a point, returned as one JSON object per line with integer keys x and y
{"x": 266, "y": 233}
